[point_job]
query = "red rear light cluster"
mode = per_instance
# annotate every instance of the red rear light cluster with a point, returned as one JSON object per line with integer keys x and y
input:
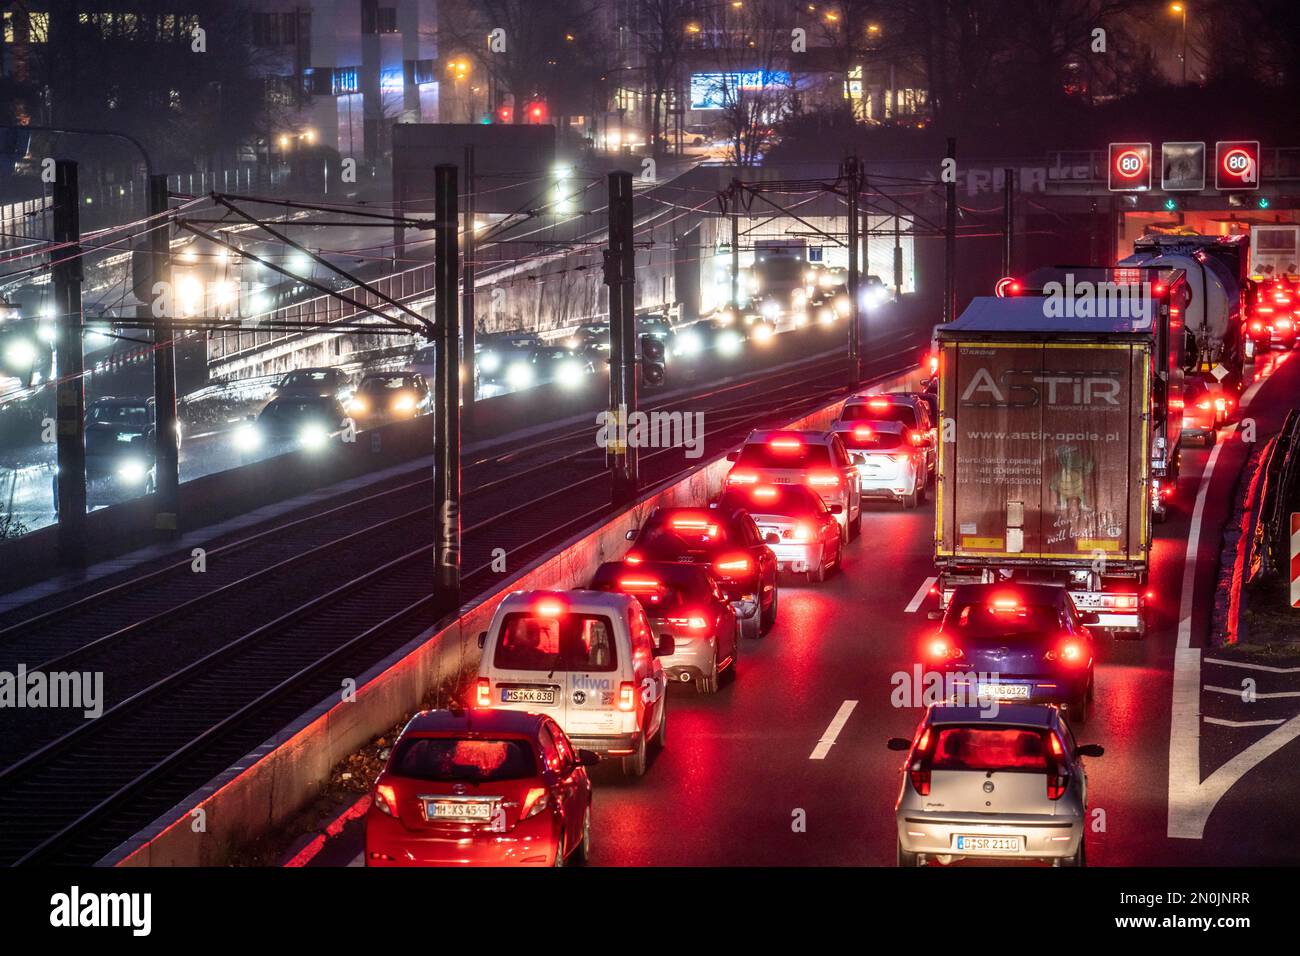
{"x": 1058, "y": 778}
{"x": 918, "y": 771}
{"x": 800, "y": 532}
{"x": 483, "y": 693}
{"x": 386, "y": 799}
{"x": 733, "y": 565}
{"x": 1071, "y": 652}
{"x": 824, "y": 479}
{"x": 940, "y": 649}
{"x": 696, "y": 622}
{"x": 627, "y": 696}
{"x": 742, "y": 478}
{"x": 862, "y": 432}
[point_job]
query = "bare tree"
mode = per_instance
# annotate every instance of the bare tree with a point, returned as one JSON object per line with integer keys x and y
{"x": 662, "y": 25}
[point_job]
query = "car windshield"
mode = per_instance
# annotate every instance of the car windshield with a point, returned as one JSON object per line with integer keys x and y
{"x": 1003, "y": 620}
{"x": 120, "y": 414}
{"x": 990, "y": 748}
{"x": 552, "y": 354}
{"x": 785, "y": 453}
{"x": 304, "y": 378}
{"x": 880, "y": 412}
{"x": 288, "y": 410}
{"x": 469, "y": 761}
{"x": 565, "y": 641}
{"x": 781, "y": 269}
{"x": 793, "y": 500}
{"x": 389, "y": 383}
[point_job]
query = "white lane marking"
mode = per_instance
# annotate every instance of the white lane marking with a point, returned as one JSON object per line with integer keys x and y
{"x": 1237, "y": 692}
{"x": 1186, "y": 798}
{"x": 1242, "y": 723}
{"x": 358, "y": 860}
{"x": 837, "y": 724}
{"x": 1253, "y": 667}
{"x": 1191, "y": 800}
{"x": 915, "y": 604}
{"x": 1194, "y": 543}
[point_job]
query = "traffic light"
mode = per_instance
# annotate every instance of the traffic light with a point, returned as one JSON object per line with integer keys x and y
{"x": 504, "y": 114}
{"x": 1129, "y": 170}
{"x": 1236, "y": 164}
{"x": 652, "y": 360}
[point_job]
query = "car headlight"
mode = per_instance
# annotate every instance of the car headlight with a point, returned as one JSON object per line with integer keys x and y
{"x": 569, "y": 374}
{"x": 357, "y": 406}
{"x": 728, "y": 343}
{"x": 825, "y": 280}
{"x": 404, "y": 403}
{"x": 770, "y": 309}
{"x": 689, "y": 343}
{"x": 313, "y": 436}
{"x": 763, "y": 333}
{"x": 248, "y": 437}
{"x": 132, "y": 472}
{"x": 519, "y": 375}
{"x": 21, "y": 355}
{"x": 489, "y": 362}
{"x": 842, "y": 304}
{"x": 826, "y": 316}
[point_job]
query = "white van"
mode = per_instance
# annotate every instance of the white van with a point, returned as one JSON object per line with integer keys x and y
{"x": 589, "y": 660}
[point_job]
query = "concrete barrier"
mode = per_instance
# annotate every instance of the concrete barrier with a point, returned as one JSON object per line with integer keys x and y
{"x": 273, "y": 782}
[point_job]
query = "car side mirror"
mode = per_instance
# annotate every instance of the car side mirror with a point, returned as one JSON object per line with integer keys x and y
{"x": 837, "y": 509}
{"x": 667, "y": 646}
{"x": 899, "y": 743}
{"x": 630, "y": 534}
{"x": 482, "y": 639}
{"x": 588, "y": 758}
{"x": 733, "y": 456}
{"x": 1089, "y": 750}
{"x": 1089, "y": 617}
{"x": 771, "y": 538}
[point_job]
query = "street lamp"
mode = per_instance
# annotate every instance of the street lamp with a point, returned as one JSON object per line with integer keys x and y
{"x": 1180, "y": 9}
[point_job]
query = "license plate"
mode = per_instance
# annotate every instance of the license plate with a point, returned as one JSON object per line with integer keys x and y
{"x": 986, "y": 844}
{"x": 1004, "y": 691}
{"x": 528, "y": 695}
{"x": 458, "y": 809}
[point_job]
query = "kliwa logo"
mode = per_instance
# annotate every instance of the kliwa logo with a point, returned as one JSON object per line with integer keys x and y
{"x": 1098, "y": 300}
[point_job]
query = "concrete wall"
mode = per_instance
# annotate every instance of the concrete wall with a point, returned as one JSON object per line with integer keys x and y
{"x": 268, "y": 786}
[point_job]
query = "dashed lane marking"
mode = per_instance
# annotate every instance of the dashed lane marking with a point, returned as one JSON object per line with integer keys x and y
{"x": 833, "y": 731}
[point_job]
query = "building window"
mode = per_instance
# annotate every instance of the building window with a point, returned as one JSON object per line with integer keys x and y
{"x": 419, "y": 72}
{"x": 387, "y": 19}
{"x": 377, "y": 19}
{"x": 346, "y": 80}
{"x": 275, "y": 29}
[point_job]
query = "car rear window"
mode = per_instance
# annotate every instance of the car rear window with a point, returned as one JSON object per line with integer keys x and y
{"x": 863, "y": 439}
{"x": 883, "y": 412}
{"x": 676, "y": 533}
{"x": 469, "y": 761}
{"x": 785, "y": 453}
{"x": 795, "y": 501}
{"x": 658, "y": 588}
{"x": 988, "y": 620}
{"x": 567, "y": 642}
{"x": 991, "y": 748}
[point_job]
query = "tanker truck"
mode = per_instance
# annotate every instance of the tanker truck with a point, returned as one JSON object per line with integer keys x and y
{"x": 1216, "y": 270}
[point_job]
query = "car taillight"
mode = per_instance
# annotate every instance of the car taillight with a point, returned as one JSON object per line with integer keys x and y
{"x": 862, "y": 432}
{"x": 386, "y": 799}
{"x": 878, "y": 404}
{"x": 1070, "y": 652}
{"x": 1283, "y": 323}
{"x": 940, "y": 648}
{"x": 1057, "y": 777}
{"x": 742, "y": 478}
{"x": 800, "y": 532}
{"x": 483, "y": 695}
{"x": 823, "y": 480}
{"x": 1176, "y": 404}
{"x": 632, "y": 558}
{"x": 918, "y": 771}
{"x": 1220, "y": 404}
{"x": 917, "y": 438}
{"x": 1119, "y": 600}
{"x": 1257, "y": 326}
{"x": 695, "y": 622}
{"x": 1204, "y": 406}
{"x": 535, "y": 801}
{"x": 732, "y": 566}
{"x": 627, "y": 696}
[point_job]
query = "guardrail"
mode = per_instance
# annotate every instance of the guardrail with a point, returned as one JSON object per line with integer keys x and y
{"x": 1270, "y": 543}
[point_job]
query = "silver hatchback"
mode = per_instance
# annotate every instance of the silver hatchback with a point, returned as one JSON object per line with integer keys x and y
{"x": 1004, "y": 783}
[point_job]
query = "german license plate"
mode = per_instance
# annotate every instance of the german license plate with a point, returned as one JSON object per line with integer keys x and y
{"x": 528, "y": 695}
{"x": 458, "y": 809}
{"x": 1004, "y": 691}
{"x": 986, "y": 844}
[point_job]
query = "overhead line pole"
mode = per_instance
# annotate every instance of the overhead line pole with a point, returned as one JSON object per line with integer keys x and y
{"x": 70, "y": 393}
{"x": 446, "y": 374}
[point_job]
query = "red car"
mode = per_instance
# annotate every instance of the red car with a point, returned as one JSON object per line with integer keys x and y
{"x": 481, "y": 788}
{"x": 728, "y": 542}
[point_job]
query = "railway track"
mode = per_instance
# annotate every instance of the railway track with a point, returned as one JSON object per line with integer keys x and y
{"x": 355, "y": 579}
